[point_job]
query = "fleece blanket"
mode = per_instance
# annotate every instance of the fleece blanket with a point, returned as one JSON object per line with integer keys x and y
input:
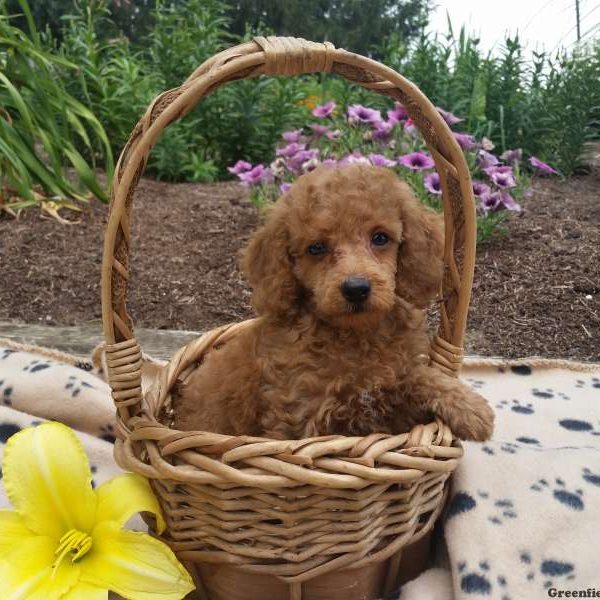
{"x": 523, "y": 519}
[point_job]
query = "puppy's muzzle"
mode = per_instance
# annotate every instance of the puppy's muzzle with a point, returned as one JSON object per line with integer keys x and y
{"x": 356, "y": 289}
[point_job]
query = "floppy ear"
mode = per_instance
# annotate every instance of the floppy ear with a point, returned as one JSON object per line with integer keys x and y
{"x": 421, "y": 254}
{"x": 267, "y": 265}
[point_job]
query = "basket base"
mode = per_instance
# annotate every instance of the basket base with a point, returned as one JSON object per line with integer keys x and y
{"x": 226, "y": 582}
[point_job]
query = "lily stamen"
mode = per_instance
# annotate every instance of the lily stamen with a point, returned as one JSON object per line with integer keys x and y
{"x": 75, "y": 542}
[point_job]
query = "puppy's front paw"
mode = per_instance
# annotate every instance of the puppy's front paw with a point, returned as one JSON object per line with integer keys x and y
{"x": 473, "y": 421}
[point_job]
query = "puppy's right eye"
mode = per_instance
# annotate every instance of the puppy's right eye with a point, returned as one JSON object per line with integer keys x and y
{"x": 317, "y": 249}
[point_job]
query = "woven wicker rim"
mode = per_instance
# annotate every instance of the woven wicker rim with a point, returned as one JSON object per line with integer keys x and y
{"x": 200, "y": 476}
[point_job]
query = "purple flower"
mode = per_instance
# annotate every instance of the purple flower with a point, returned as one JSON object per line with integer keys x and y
{"x": 416, "y": 161}
{"x": 362, "y": 114}
{"x": 324, "y": 110}
{"x": 512, "y": 156}
{"x": 383, "y": 129}
{"x": 290, "y": 150}
{"x": 503, "y": 180}
{"x": 355, "y": 158}
{"x": 320, "y": 129}
{"x": 480, "y": 189}
{"x": 509, "y": 202}
{"x": 432, "y": 183}
{"x": 333, "y": 135}
{"x": 292, "y": 136}
{"x": 486, "y": 159}
{"x": 284, "y": 187}
{"x": 542, "y": 167}
{"x": 379, "y": 160}
{"x": 297, "y": 162}
{"x": 329, "y": 162}
{"x": 259, "y": 174}
{"x": 465, "y": 141}
{"x": 489, "y": 171}
{"x": 240, "y": 167}
{"x": 398, "y": 113}
{"x": 498, "y": 201}
{"x": 490, "y": 203}
{"x": 448, "y": 116}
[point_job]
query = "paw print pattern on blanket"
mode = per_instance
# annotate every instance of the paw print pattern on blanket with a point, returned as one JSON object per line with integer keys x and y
{"x": 475, "y": 581}
{"x": 36, "y": 366}
{"x": 577, "y": 425}
{"x": 591, "y": 477}
{"x": 75, "y": 385}
{"x": 571, "y": 499}
{"x": 6, "y": 391}
{"x": 500, "y": 510}
{"x": 547, "y": 570}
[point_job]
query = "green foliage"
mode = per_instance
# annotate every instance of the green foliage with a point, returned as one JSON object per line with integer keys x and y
{"x": 352, "y": 24}
{"x": 548, "y": 105}
{"x": 46, "y": 134}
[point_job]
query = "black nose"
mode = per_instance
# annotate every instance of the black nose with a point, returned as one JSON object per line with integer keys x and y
{"x": 356, "y": 289}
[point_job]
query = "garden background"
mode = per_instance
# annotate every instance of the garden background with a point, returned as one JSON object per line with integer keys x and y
{"x": 75, "y": 76}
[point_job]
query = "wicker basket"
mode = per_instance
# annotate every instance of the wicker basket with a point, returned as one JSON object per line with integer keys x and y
{"x": 319, "y": 518}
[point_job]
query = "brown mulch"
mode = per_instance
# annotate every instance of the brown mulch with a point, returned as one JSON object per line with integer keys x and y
{"x": 537, "y": 289}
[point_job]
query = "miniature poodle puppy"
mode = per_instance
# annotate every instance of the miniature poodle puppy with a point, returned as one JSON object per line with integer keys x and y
{"x": 341, "y": 271}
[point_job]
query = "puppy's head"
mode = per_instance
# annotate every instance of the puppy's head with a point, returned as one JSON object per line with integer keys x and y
{"x": 343, "y": 243}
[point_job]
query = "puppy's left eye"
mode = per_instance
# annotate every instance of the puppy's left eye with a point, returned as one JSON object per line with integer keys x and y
{"x": 379, "y": 238}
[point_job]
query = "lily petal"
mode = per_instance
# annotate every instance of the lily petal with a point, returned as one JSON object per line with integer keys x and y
{"x": 26, "y": 573}
{"x": 12, "y": 531}
{"x": 134, "y": 565}
{"x": 86, "y": 591}
{"x": 125, "y": 495}
{"x": 48, "y": 480}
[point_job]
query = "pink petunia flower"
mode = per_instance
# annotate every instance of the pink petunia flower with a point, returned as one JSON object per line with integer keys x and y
{"x": 465, "y": 141}
{"x": 353, "y": 159}
{"x": 486, "y": 159}
{"x": 432, "y": 183}
{"x": 292, "y": 136}
{"x": 362, "y": 114}
{"x": 489, "y": 171}
{"x": 383, "y": 129}
{"x": 320, "y": 130}
{"x": 416, "y": 161}
{"x": 259, "y": 174}
{"x": 379, "y": 160}
{"x": 503, "y": 180}
{"x": 240, "y": 167}
{"x": 481, "y": 189}
{"x": 324, "y": 110}
{"x": 449, "y": 117}
{"x": 290, "y": 150}
{"x": 284, "y": 187}
{"x": 296, "y": 162}
{"x": 542, "y": 167}
{"x": 397, "y": 114}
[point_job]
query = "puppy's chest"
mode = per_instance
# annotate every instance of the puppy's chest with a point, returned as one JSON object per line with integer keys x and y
{"x": 344, "y": 365}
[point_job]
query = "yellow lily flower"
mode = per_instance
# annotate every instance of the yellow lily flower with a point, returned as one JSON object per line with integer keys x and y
{"x": 64, "y": 539}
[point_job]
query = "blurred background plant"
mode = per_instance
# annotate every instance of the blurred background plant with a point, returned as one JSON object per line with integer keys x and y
{"x": 77, "y": 75}
{"x": 49, "y": 141}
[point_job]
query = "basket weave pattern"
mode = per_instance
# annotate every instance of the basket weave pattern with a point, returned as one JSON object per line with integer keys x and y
{"x": 302, "y": 508}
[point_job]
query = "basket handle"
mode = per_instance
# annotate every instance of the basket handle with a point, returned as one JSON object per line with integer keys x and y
{"x": 284, "y": 56}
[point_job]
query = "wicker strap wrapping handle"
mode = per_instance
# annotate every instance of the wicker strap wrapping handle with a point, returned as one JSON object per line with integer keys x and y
{"x": 284, "y": 56}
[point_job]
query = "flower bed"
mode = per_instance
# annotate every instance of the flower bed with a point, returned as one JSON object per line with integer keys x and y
{"x": 360, "y": 134}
